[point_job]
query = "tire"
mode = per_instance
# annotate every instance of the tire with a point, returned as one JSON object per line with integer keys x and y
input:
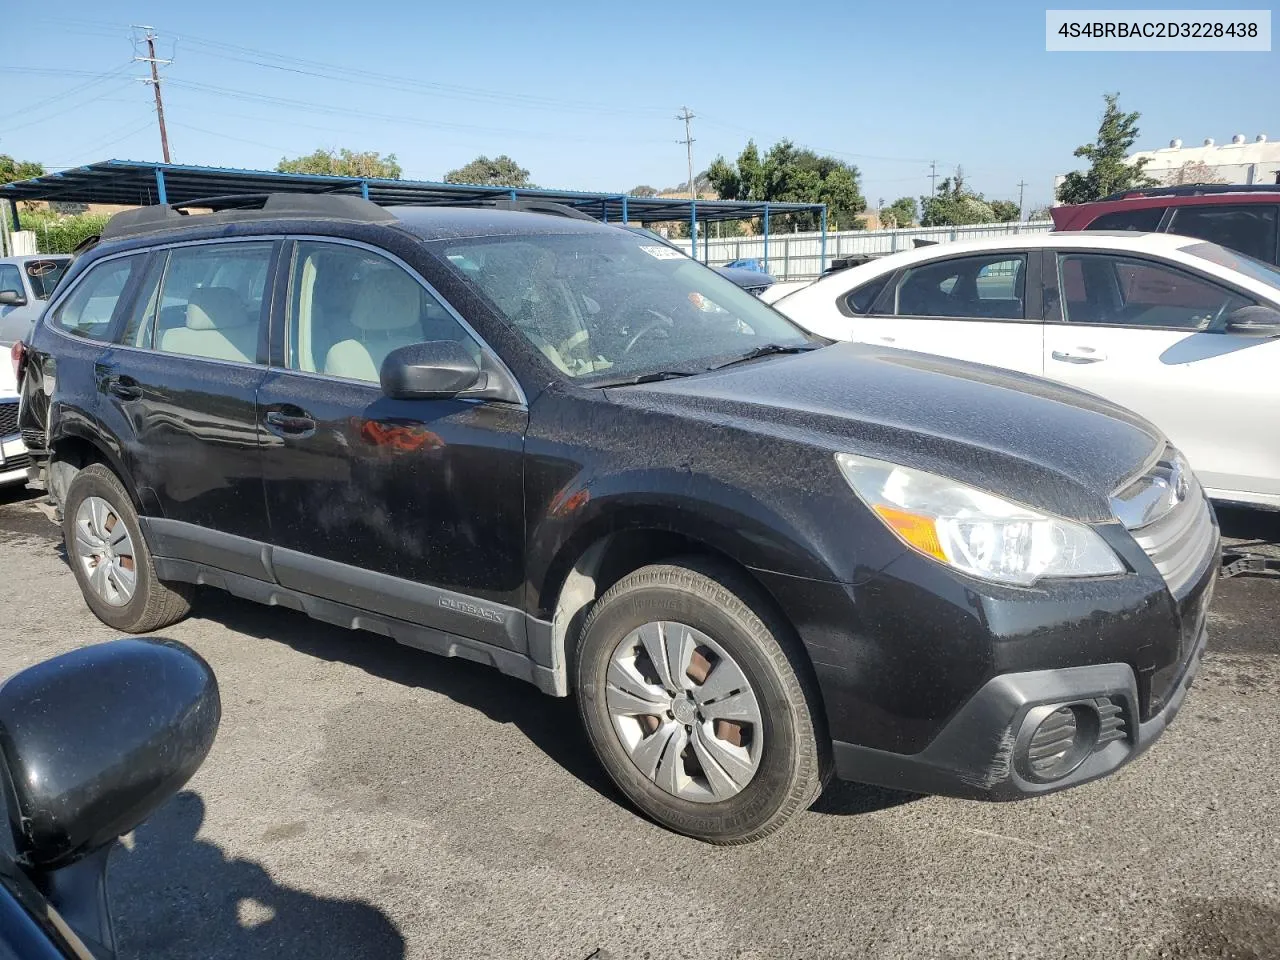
{"x": 721, "y": 614}
{"x": 151, "y": 604}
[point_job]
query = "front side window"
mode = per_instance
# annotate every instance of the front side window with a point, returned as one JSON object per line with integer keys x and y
{"x": 44, "y": 275}
{"x": 1247, "y": 227}
{"x": 350, "y": 307}
{"x": 212, "y": 301}
{"x": 1126, "y": 292}
{"x": 609, "y": 304}
{"x": 88, "y": 310}
{"x": 990, "y": 287}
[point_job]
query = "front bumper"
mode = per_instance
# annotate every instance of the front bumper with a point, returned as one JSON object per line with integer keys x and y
{"x": 980, "y": 753}
{"x": 14, "y": 460}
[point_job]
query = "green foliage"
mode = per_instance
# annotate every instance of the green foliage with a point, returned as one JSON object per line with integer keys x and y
{"x": 1040, "y": 213}
{"x": 501, "y": 171}
{"x": 56, "y": 233}
{"x": 343, "y": 163}
{"x": 1108, "y": 172}
{"x": 1006, "y": 211}
{"x": 901, "y": 213}
{"x": 644, "y": 190}
{"x": 954, "y": 205}
{"x": 12, "y": 170}
{"x": 788, "y": 173}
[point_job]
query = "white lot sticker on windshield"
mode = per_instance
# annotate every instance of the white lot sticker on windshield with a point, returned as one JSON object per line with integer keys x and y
{"x": 660, "y": 252}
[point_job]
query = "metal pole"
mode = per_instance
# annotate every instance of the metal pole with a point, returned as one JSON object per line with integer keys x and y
{"x": 604, "y": 211}
{"x": 364, "y": 189}
{"x": 155, "y": 83}
{"x": 822, "y": 257}
{"x": 624, "y": 208}
{"x": 514, "y": 196}
{"x": 161, "y": 195}
{"x": 706, "y": 245}
{"x": 693, "y": 228}
{"x": 766, "y": 238}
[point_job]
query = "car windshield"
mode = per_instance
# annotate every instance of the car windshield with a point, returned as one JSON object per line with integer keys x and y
{"x": 607, "y": 305}
{"x": 45, "y": 274}
{"x": 1256, "y": 269}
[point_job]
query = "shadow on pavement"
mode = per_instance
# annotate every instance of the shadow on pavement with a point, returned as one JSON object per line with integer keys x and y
{"x": 1220, "y": 928}
{"x": 178, "y": 896}
{"x": 550, "y": 723}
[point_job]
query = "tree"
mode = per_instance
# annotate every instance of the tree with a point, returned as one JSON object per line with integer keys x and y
{"x": 788, "y": 173}
{"x": 901, "y": 213}
{"x": 954, "y": 205}
{"x": 1006, "y": 211}
{"x": 501, "y": 171}
{"x": 12, "y": 170}
{"x": 343, "y": 163}
{"x": 1040, "y": 213}
{"x": 644, "y": 190}
{"x": 1109, "y": 169}
{"x": 1191, "y": 172}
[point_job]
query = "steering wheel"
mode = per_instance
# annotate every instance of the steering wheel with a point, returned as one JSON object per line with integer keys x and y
{"x": 659, "y": 322}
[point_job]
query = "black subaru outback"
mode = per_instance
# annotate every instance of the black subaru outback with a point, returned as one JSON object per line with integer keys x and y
{"x": 557, "y": 448}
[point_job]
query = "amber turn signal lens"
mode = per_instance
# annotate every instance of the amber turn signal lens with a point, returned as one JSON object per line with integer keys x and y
{"x": 916, "y": 530}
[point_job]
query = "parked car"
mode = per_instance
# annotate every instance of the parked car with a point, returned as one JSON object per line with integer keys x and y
{"x": 750, "y": 275}
{"x": 92, "y": 742}
{"x": 1238, "y": 217}
{"x": 1182, "y": 331}
{"x": 25, "y": 285}
{"x": 550, "y": 446}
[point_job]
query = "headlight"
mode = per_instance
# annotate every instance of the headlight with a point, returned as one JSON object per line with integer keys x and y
{"x": 975, "y": 531}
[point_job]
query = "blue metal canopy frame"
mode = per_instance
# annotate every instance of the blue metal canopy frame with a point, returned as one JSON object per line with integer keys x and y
{"x": 136, "y": 183}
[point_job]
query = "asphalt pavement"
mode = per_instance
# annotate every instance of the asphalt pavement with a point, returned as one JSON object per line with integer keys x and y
{"x": 367, "y": 800}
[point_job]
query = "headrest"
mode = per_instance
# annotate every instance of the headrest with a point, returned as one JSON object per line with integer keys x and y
{"x": 215, "y": 308}
{"x": 388, "y": 300}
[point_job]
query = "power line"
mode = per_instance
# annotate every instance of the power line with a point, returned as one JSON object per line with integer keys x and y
{"x": 686, "y": 116}
{"x": 150, "y": 39}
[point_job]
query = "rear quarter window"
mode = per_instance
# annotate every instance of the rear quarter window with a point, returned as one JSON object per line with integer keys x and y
{"x": 863, "y": 298}
{"x": 89, "y": 308}
{"x": 1143, "y": 220}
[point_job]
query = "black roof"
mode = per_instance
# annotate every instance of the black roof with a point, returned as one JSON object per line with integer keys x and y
{"x": 131, "y": 183}
{"x": 1195, "y": 190}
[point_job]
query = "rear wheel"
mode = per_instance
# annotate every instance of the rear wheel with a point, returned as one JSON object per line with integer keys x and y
{"x": 110, "y": 559}
{"x": 699, "y": 705}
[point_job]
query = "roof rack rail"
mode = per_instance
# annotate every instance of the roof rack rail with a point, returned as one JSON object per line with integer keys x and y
{"x": 234, "y": 208}
{"x": 526, "y": 206}
{"x": 1195, "y": 190}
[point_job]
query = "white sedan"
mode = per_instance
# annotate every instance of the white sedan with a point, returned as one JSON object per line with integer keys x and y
{"x": 1186, "y": 333}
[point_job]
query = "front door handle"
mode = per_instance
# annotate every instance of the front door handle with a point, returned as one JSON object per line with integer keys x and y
{"x": 1079, "y": 355}
{"x": 124, "y": 387}
{"x": 293, "y": 425}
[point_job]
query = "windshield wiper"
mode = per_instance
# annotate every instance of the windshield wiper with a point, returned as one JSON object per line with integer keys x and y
{"x": 766, "y": 350}
{"x": 642, "y": 378}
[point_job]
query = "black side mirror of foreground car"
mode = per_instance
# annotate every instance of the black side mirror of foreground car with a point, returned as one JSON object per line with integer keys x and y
{"x": 91, "y": 743}
{"x": 441, "y": 369}
{"x": 1254, "y": 322}
{"x": 12, "y": 298}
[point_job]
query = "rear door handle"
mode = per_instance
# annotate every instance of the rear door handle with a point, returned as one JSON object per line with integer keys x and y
{"x": 1079, "y": 355}
{"x": 124, "y": 387}
{"x": 293, "y": 425}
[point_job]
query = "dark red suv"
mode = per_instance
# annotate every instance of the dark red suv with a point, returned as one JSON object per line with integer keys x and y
{"x": 1241, "y": 217}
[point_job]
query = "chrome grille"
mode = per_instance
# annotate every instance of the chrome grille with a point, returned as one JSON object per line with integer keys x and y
{"x": 1175, "y": 527}
{"x": 8, "y": 418}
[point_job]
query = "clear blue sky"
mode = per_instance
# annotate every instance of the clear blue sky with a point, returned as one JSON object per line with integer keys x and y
{"x": 585, "y": 94}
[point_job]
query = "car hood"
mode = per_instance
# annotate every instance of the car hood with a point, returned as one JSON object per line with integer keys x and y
{"x": 1040, "y": 443}
{"x": 748, "y": 279}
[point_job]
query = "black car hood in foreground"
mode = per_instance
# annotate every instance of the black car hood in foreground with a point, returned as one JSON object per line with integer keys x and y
{"x": 1038, "y": 442}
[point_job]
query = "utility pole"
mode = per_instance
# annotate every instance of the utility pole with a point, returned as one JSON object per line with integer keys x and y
{"x": 150, "y": 38}
{"x": 686, "y": 116}
{"x": 933, "y": 178}
{"x": 1022, "y": 184}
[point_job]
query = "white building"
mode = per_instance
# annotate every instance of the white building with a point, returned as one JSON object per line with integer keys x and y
{"x": 1236, "y": 162}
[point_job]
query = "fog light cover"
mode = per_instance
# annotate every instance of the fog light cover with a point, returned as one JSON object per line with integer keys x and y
{"x": 1062, "y": 740}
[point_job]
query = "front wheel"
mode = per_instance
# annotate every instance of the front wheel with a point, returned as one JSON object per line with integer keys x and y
{"x": 699, "y": 705}
{"x": 110, "y": 559}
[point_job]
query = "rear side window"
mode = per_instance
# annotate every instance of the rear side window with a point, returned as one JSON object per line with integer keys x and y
{"x": 862, "y": 299}
{"x": 212, "y": 301}
{"x": 1247, "y": 227}
{"x": 88, "y": 310}
{"x": 44, "y": 276}
{"x": 1142, "y": 220}
{"x": 989, "y": 287}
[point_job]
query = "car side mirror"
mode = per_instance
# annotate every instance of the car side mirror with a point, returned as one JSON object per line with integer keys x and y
{"x": 1254, "y": 321}
{"x": 12, "y": 298}
{"x": 440, "y": 370}
{"x": 93, "y": 741}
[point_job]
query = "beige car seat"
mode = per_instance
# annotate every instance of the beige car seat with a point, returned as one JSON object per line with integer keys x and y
{"x": 218, "y": 326}
{"x": 386, "y": 316}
